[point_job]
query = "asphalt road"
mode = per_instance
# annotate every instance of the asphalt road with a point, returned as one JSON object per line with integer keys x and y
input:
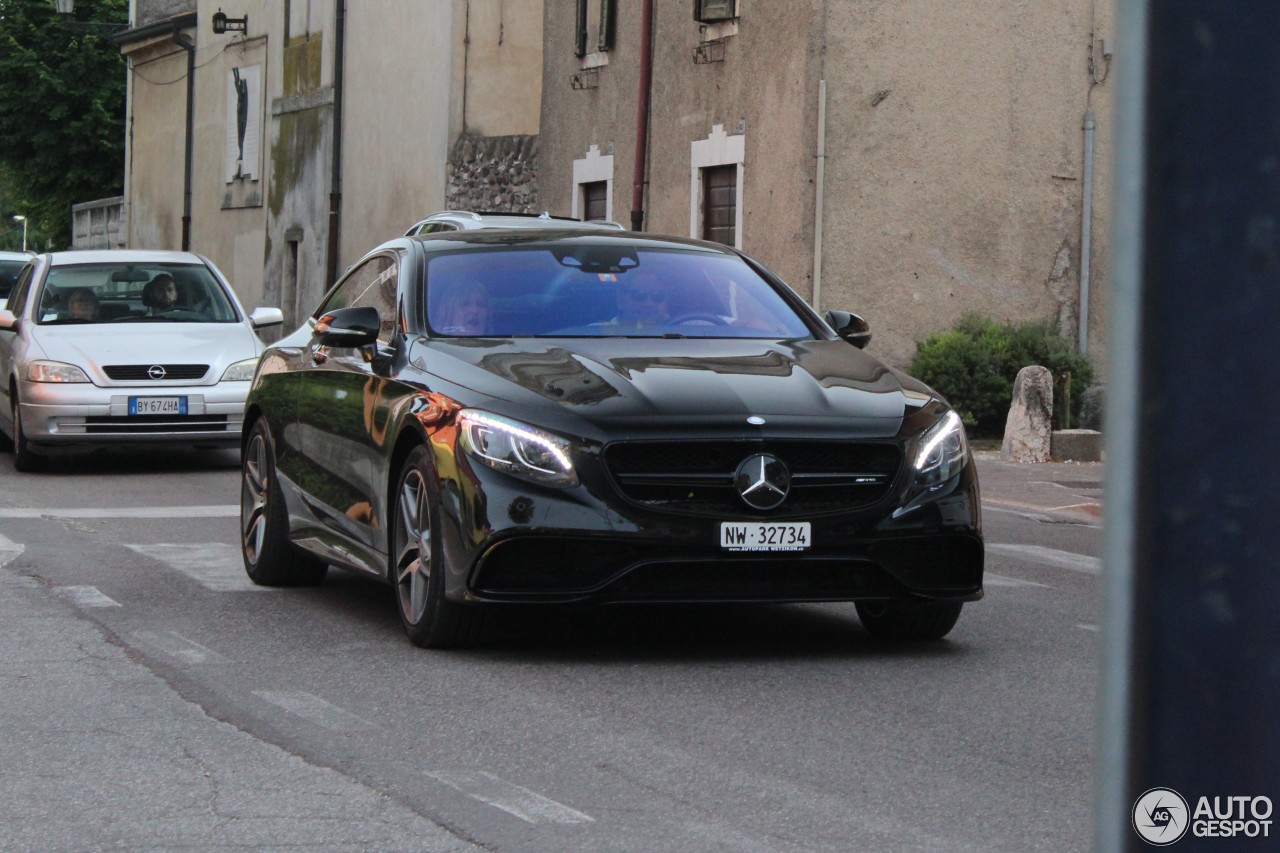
{"x": 152, "y": 698}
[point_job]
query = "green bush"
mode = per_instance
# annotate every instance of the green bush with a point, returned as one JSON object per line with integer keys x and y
{"x": 974, "y": 366}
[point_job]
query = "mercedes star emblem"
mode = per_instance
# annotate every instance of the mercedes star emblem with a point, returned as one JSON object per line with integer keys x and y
{"x": 156, "y": 372}
{"x": 763, "y": 481}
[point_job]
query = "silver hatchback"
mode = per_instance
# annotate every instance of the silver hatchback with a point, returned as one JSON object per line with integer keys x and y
{"x": 124, "y": 346}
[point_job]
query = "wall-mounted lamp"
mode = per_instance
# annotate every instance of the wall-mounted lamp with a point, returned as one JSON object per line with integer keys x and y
{"x": 223, "y": 24}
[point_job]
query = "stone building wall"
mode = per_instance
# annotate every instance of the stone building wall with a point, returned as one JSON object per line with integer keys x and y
{"x": 494, "y": 173}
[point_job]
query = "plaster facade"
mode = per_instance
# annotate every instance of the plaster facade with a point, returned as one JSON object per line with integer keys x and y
{"x": 417, "y": 78}
{"x": 953, "y": 167}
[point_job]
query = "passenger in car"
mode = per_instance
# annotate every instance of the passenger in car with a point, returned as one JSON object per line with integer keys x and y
{"x": 82, "y": 304}
{"x": 464, "y": 310}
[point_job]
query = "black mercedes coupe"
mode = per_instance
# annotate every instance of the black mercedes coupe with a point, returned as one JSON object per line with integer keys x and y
{"x": 507, "y": 417}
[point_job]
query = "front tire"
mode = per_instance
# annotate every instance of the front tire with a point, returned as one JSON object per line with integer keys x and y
{"x": 417, "y": 570}
{"x": 24, "y": 458}
{"x": 269, "y": 558}
{"x": 896, "y": 620}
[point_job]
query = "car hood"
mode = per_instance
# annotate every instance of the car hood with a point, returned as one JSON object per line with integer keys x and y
{"x": 142, "y": 343}
{"x": 646, "y": 384}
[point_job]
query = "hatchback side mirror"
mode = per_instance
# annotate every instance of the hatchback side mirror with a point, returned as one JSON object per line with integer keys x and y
{"x": 850, "y": 327}
{"x": 8, "y": 322}
{"x": 263, "y": 317}
{"x": 348, "y": 327}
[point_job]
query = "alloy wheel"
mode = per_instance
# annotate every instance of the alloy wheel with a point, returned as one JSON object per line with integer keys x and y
{"x": 254, "y": 484}
{"x": 413, "y": 560}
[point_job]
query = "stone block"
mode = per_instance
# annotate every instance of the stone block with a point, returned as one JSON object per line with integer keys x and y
{"x": 1077, "y": 445}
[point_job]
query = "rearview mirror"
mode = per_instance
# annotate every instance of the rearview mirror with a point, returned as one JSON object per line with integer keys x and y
{"x": 850, "y": 327}
{"x": 348, "y": 327}
{"x": 132, "y": 274}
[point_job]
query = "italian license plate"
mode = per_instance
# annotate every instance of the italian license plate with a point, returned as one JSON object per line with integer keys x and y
{"x": 157, "y": 405}
{"x": 761, "y": 536}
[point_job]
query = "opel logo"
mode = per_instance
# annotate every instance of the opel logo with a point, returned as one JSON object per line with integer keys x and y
{"x": 763, "y": 481}
{"x": 156, "y": 372}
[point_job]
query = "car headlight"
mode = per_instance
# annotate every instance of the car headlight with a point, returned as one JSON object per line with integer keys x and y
{"x": 54, "y": 371}
{"x": 241, "y": 371}
{"x": 943, "y": 451}
{"x": 515, "y": 448}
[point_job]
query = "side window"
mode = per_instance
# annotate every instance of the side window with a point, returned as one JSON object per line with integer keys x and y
{"x": 18, "y": 299}
{"x": 372, "y": 283}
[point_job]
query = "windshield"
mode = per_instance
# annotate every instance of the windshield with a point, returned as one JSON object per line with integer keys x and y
{"x": 133, "y": 292}
{"x": 603, "y": 290}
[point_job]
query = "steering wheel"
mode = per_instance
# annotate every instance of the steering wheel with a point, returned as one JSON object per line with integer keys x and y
{"x": 700, "y": 318}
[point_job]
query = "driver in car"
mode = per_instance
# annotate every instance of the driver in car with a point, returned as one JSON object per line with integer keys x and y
{"x": 643, "y": 304}
{"x": 160, "y": 294}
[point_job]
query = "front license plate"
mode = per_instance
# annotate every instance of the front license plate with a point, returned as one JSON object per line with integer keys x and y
{"x": 756, "y": 536}
{"x": 157, "y": 405}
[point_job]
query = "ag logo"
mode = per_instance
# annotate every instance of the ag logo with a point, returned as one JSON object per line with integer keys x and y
{"x": 1161, "y": 817}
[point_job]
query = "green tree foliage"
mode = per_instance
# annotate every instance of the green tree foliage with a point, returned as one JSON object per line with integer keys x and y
{"x": 975, "y": 364}
{"x": 63, "y": 102}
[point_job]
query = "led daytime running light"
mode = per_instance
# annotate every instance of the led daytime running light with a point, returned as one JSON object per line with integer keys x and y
{"x": 940, "y": 432}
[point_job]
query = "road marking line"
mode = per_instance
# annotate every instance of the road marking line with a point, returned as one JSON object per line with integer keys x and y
{"x": 1076, "y": 512}
{"x": 991, "y": 579}
{"x": 1084, "y": 626}
{"x": 212, "y": 511}
{"x": 214, "y": 565}
{"x": 1051, "y": 556}
{"x": 315, "y": 709}
{"x": 527, "y": 805}
{"x": 9, "y": 550}
{"x": 85, "y": 596}
{"x": 179, "y": 647}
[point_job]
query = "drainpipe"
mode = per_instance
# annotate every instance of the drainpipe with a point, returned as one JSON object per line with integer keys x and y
{"x": 642, "y": 116}
{"x": 1086, "y": 232}
{"x": 189, "y": 46}
{"x": 820, "y": 179}
{"x": 335, "y": 178}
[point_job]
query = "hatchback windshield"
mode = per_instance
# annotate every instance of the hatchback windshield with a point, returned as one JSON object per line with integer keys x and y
{"x": 603, "y": 290}
{"x": 133, "y": 293}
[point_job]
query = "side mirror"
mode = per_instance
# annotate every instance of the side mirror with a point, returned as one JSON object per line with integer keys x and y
{"x": 851, "y": 327}
{"x": 263, "y": 317}
{"x": 8, "y": 322}
{"x": 348, "y": 327}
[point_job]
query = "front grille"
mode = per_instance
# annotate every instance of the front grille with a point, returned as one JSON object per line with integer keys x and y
{"x": 696, "y": 477}
{"x": 153, "y": 424}
{"x": 139, "y": 372}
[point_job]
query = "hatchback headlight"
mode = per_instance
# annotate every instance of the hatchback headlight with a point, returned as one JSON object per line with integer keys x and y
{"x": 515, "y": 448}
{"x": 54, "y": 371}
{"x": 943, "y": 451}
{"x": 241, "y": 371}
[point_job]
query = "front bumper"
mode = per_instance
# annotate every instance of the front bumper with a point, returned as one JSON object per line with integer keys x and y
{"x": 86, "y": 414}
{"x": 572, "y": 546}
